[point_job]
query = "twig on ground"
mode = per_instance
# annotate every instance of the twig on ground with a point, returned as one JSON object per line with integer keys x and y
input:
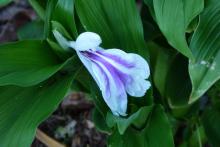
{"x": 48, "y": 141}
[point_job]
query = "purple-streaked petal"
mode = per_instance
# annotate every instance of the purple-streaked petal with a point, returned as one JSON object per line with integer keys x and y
{"x": 87, "y": 41}
{"x": 132, "y": 69}
{"x": 111, "y": 86}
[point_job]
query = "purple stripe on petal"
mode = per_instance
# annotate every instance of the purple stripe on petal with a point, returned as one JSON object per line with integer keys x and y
{"x": 116, "y": 59}
{"x": 124, "y": 77}
{"x": 117, "y": 100}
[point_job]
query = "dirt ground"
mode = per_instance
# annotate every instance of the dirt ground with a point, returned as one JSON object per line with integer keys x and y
{"x": 71, "y": 123}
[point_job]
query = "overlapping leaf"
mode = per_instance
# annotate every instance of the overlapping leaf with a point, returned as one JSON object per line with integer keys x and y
{"x": 117, "y": 22}
{"x": 27, "y": 63}
{"x": 22, "y": 109}
{"x": 156, "y": 133}
{"x": 205, "y": 45}
{"x": 173, "y": 18}
{"x": 64, "y": 14}
{"x": 135, "y": 119}
{"x": 39, "y": 6}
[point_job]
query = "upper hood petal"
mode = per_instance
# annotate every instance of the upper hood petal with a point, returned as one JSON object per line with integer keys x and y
{"x": 87, "y": 41}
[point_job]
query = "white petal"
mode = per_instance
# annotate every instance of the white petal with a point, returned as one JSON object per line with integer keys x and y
{"x": 87, "y": 41}
{"x": 140, "y": 73}
{"x": 87, "y": 63}
{"x": 134, "y": 70}
{"x": 112, "y": 88}
{"x": 138, "y": 88}
{"x": 141, "y": 65}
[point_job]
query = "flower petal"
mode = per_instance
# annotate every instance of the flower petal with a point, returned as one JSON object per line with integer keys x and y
{"x": 87, "y": 41}
{"x": 133, "y": 68}
{"x": 111, "y": 86}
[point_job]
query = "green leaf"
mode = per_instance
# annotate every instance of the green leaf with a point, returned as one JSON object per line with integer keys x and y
{"x": 26, "y": 32}
{"x": 27, "y": 63}
{"x": 136, "y": 119}
{"x": 150, "y": 5}
{"x": 173, "y": 18}
{"x": 205, "y": 44}
{"x": 48, "y": 18}
{"x": 161, "y": 60}
{"x": 60, "y": 28}
{"x": 99, "y": 121}
{"x": 65, "y": 8}
{"x": 211, "y": 121}
{"x": 39, "y": 6}
{"x": 117, "y": 22}
{"x": 5, "y": 2}
{"x": 174, "y": 84}
{"x": 157, "y": 133}
{"x": 178, "y": 84}
{"x": 22, "y": 109}
{"x": 196, "y": 138}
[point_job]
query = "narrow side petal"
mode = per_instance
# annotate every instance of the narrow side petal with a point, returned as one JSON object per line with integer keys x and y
{"x": 61, "y": 40}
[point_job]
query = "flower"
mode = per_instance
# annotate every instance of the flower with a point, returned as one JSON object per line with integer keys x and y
{"x": 115, "y": 71}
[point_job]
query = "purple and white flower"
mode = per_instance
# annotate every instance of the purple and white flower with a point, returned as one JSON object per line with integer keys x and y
{"x": 116, "y": 72}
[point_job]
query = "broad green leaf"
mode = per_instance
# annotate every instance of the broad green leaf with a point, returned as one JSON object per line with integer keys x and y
{"x": 157, "y": 133}
{"x": 211, "y": 121}
{"x": 205, "y": 44}
{"x": 173, "y": 18}
{"x": 135, "y": 119}
{"x": 23, "y": 109}
{"x": 117, "y": 22}
{"x": 26, "y": 31}
{"x": 27, "y": 63}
